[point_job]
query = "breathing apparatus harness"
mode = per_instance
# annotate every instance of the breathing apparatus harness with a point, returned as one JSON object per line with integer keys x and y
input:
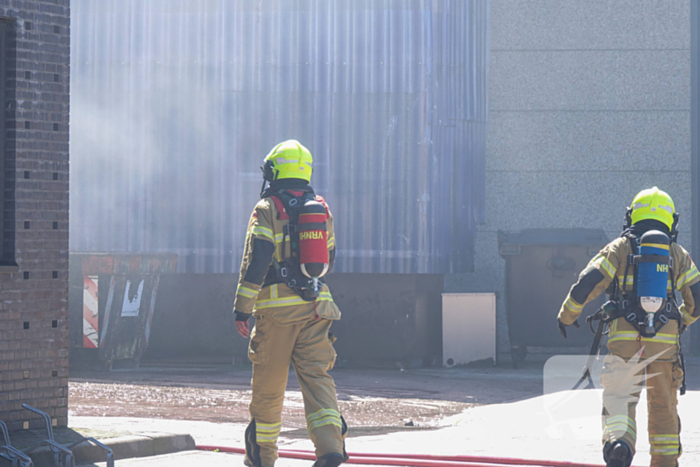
{"x": 626, "y": 304}
{"x": 306, "y": 233}
{"x": 631, "y": 305}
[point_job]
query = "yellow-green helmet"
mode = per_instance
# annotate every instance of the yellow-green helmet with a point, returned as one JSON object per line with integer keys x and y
{"x": 653, "y": 204}
{"x": 288, "y": 160}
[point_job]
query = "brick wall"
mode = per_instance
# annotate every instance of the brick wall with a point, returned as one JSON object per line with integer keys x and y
{"x": 34, "y": 270}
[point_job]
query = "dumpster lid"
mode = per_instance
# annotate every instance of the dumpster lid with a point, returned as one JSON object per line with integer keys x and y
{"x": 509, "y": 242}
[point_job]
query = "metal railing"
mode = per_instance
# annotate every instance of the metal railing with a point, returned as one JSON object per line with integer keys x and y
{"x": 63, "y": 454}
{"x": 14, "y": 455}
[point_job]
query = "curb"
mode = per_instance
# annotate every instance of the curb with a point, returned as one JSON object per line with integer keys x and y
{"x": 124, "y": 447}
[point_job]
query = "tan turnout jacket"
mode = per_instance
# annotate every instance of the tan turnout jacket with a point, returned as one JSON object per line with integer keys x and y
{"x": 624, "y": 340}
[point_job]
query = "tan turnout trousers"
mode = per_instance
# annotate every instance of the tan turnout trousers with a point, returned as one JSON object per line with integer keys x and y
{"x": 623, "y": 382}
{"x": 307, "y": 345}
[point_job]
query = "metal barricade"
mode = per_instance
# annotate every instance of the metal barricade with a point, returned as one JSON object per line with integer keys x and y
{"x": 63, "y": 456}
{"x": 9, "y": 453}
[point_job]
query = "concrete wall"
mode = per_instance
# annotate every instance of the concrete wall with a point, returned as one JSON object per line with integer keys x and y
{"x": 589, "y": 103}
{"x": 34, "y": 266}
{"x": 389, "y": 320}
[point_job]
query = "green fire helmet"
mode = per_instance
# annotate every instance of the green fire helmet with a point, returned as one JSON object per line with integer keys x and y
{"x": 653, "y": 204}
{"x": 288, "y": 160}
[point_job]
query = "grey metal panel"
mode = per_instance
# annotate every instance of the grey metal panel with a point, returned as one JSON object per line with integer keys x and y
{"x": 468, "y": 328}
{"x": 176, "y": 102}
{"x": 589, "y": 141}
{"x": 589, "y": 25}
{"x": 695, "y": 139}
{"x": 6, "y": 253}
{"x": 610, "y": 80}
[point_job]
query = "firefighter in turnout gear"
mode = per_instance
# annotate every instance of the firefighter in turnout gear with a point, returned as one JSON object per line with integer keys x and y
{"x": 289, "y": 247}
{"x": 641, "y": 271}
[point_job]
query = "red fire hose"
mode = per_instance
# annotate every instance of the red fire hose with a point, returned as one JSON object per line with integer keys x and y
{"x": 415, "y": 460}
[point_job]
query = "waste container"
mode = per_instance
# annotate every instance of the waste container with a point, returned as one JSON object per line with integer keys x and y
{"x": 112, "y": 300}
{"x": 541, "y": 267}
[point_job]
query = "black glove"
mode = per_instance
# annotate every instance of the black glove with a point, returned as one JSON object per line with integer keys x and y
{"x": 240, "y": 316}
{"x": 562, "y": 327}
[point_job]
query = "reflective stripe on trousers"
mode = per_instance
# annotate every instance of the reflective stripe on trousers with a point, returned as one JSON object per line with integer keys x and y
{"x": 665, "y": 445}
{"x": 323, "y": 417}
{"x": 617, "y": 426}
{"x": 267, "y": 432}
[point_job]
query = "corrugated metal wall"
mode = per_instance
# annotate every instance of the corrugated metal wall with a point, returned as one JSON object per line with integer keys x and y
{"x": 176, "y": 102}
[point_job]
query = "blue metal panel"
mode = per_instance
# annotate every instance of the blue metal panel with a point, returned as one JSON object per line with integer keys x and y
{"x": 176, "y": 102}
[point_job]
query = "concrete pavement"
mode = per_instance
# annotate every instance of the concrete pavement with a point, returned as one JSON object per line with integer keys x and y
{"x": 564, "y": 426}
{"x": 195, "y": 459}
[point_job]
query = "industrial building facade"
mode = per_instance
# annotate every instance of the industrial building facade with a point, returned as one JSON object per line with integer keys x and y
{"x": 34, "y": 73}
{"x": 587, "y": 102}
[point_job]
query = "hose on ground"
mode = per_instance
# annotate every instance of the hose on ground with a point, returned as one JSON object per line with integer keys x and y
{"x": 414, "y": 460}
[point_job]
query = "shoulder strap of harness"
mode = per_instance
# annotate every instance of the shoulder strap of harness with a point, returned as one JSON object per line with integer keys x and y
{"x": 634, "y": 245}
{"x": 281, "y": 211}
{"x": 285, "y": 200}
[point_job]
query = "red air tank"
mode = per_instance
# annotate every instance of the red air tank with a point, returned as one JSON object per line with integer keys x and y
{"x": 313, "y": 239}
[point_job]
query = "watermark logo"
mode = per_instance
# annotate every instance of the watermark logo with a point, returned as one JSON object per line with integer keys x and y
{"x": 603, "y": 396}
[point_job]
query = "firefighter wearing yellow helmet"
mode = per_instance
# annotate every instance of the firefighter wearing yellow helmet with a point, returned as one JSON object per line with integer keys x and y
{"x": 641, "y": 271}
{"x": 289, "y": 246}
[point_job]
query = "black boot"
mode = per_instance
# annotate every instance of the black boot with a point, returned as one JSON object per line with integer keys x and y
{"x": 344, "y": 433}
{"x": 252, "y": 449}
{"x": 330, "y": 460}
{"x": 617, "y": 454}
